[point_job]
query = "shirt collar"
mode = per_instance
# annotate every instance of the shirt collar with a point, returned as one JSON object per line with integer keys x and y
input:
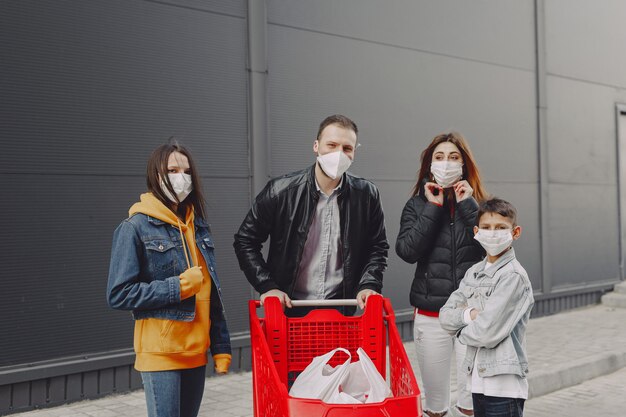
{"x": 507, "y": 257}
{"x": 338, "y": 187}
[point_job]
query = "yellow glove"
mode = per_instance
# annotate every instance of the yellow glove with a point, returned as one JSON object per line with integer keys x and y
{"x": 190, "y": 282}
{"x": 222, "y": 362}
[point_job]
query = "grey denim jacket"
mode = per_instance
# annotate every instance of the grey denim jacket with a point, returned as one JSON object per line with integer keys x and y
{"x": 503, "y": 294}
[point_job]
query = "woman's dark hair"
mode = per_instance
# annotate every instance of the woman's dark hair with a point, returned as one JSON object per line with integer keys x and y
{"x": 470, "y": 169}
{"x": 157, "y": 172}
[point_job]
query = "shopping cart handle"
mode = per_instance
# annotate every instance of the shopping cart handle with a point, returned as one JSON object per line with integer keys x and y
{"x": 322, "y": 303}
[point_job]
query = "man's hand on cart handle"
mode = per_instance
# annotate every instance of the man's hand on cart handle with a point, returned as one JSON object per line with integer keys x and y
{"x": 283, "y": 297}
{"x": 361, "y": 297}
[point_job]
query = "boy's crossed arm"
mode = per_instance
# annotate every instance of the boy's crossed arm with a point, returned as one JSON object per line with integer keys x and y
{"x": 505, "y": 307}
{"x": 451, "y": 314}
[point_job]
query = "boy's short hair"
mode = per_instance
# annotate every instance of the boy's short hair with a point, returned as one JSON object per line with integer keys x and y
{"x": 497, "y": 205}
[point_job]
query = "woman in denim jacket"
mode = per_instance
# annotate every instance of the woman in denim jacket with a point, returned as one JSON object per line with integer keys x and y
{"x": 163, "y": 270}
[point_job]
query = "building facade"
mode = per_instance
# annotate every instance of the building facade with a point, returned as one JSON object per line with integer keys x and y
{"x": 88, "y": 88}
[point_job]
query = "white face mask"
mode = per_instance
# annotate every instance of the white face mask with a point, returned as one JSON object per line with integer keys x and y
{"x": 446, "y": 173}
{"x": 334, "y": 164}
{"x": 494, "y": 241}
{"x": 182, "y": 185}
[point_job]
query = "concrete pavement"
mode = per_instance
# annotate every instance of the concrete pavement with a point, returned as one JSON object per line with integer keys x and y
{"x": 602, "y": 396}
{"x": 564, "y": 350}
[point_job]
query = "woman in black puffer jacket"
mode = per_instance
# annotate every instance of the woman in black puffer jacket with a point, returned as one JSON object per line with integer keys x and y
{"x": 436, "y": 232}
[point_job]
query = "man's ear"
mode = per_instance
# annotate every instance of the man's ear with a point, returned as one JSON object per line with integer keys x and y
{"x": 517, "y": 232}
{"x": 316, "y": 145}
{"x": 475, "y": 230}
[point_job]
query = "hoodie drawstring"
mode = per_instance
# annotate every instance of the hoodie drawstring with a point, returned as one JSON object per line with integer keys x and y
{"x": 185, "y": 247}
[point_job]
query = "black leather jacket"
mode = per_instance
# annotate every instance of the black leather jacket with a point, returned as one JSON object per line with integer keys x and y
{"x": 443, "y": 247}
{"x": 284, "y": 211}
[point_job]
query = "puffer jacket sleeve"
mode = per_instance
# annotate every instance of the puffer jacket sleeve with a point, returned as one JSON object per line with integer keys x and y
{"x": 372, "y": 276}
{"x": 249, "y": 239}
{"x": 468, "y": 209}
{"x": 419, "y": 225}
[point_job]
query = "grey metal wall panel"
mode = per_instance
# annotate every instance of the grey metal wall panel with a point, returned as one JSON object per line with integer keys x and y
{"x": 399, "y": 275}
{"x": 5, "y": 397}
{"x": 524, "y": 196}
{"x": 499, "y": 32}
{"x": 556, "y": 304}
{"x": 56, "y": 390}
{"x": 106, "y": 381}
{"x": 400, "y": 99}
{"x": 90, "y": 384}
{"x": 88, "y": 90}
{"x": 581, "y": 129}
{"x": 74, "y": 386}
{"x": 95, "y": 81}
{"x": 21, "y": 395}
{"x": 583, "y": 234}
{"x": 228, "y": 204}
{"x": 74, "y": 265}
{"x": 582, "y": 172}
{"x": 231, "y": 7}
{"x": 59, "y": 293}
{"x": 38, "y": 393}
{"x": 585, "y": 40}
{"x": 122, "y": 378}
{"x": 135, "y": 379}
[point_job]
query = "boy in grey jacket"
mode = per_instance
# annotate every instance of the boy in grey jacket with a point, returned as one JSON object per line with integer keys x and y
{"x": 489, "y": 313}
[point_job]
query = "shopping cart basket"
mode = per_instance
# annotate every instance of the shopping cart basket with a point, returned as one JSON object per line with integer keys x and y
{"x": 283, "y": 346}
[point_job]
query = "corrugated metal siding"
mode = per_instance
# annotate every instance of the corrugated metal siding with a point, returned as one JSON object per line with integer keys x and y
{"x": 58, "y": 383}
{"x": 88, "y": 89}
{"x": 401, "y": 89}
{"x": 62, "y": 389}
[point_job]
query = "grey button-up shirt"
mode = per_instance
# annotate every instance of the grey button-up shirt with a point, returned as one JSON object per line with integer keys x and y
{"x": 320, "y": 274}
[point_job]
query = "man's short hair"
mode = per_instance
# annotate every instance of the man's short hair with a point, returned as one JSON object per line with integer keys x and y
{"x": 337, "y": 119}
{"x": 497, "y": 205}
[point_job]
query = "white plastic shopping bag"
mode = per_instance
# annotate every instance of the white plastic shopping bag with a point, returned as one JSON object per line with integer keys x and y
{"x": 320, "y": 380}
{"x": 364, "y": 383}
{"x": 348, "y": 383}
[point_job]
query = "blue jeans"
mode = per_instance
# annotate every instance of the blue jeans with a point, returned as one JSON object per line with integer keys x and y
{"x": 486, "y": 406}
{"x": 175, "y": 393}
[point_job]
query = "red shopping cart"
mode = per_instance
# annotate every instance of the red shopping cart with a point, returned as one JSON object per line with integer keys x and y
{"x": 283, "y": 346}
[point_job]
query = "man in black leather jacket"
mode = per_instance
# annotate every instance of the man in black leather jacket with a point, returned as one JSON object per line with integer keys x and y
{"x": 326, "y": 227}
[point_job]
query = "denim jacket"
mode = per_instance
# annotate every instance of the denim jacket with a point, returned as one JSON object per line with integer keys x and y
{"x": 146, "y": 259}
{"x": 496, "y": 339}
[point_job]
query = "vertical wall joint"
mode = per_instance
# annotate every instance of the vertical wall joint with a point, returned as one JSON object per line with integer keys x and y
{"x": 257, "y": 95}
{"x": 542, "y": 141}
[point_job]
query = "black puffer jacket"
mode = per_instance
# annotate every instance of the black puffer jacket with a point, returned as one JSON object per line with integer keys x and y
{"x": 283, "y": 211}
{"x": 443, "y": 247}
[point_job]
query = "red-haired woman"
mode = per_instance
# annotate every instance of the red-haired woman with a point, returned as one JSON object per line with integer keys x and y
{"x": 436, "y": 233}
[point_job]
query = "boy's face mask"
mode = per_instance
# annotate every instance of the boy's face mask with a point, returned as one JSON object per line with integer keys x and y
{"x": 182, "y": 185}
{"x": 494, "y": 241}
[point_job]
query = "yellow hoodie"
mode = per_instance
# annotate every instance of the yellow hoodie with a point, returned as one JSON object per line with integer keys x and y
{"x": 160, "y": 344}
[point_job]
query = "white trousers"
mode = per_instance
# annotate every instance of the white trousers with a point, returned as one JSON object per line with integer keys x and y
{"x": 435, "y": 348}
